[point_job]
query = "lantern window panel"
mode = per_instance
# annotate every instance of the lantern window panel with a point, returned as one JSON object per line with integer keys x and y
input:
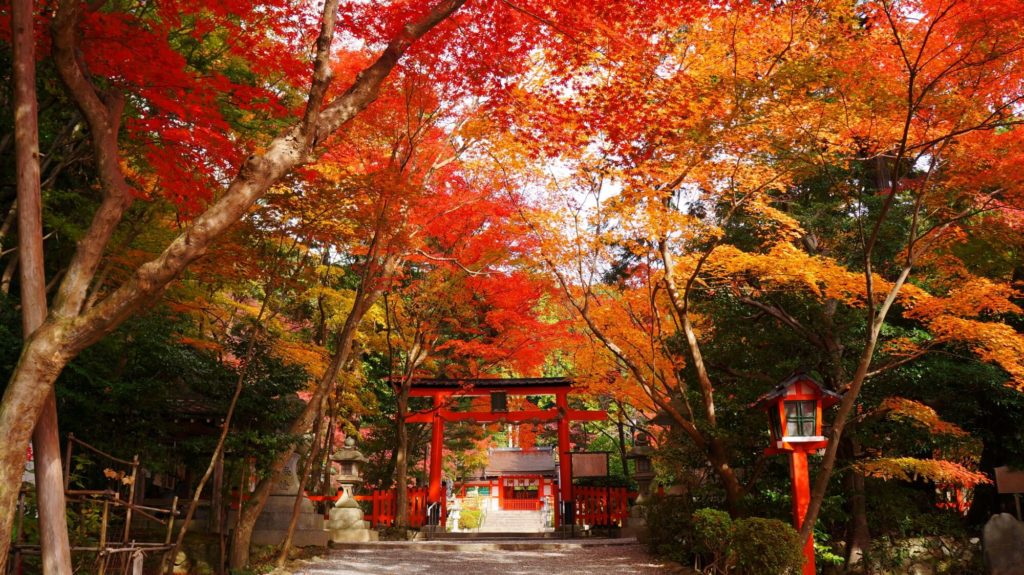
{"x": 801, "y": 418}
{"x": 643, "y": 465}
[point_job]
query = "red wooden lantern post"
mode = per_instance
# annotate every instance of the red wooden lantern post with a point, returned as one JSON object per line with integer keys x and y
{"x": 794, "y": 413}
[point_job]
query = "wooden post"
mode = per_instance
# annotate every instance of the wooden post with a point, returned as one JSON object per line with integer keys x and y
{"x": 67, "y": 461}
{"x": 103, "y": 537}
{"x": 801, "y": 498}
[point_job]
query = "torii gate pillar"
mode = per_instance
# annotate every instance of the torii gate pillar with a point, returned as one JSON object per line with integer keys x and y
{"x": 564, "y": 449}
{"x": 434, "y": 494}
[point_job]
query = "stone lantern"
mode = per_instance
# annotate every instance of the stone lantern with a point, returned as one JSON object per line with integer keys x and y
{"x": 350, "y": 463}
{"x": 644, "y": 474}
{"x": 346, "y": 523}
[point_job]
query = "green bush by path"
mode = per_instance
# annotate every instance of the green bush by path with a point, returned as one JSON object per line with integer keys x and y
{"x": 764, "y": 546}
{"x": 470, "y": 518}
{"x": 713, "y": 542}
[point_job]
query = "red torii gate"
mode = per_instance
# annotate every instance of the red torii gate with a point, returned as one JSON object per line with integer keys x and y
{"x": 443, "y": 390}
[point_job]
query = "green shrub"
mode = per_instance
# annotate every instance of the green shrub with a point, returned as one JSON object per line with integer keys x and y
{"x": 712, "y": 530}
{"x": 670, "y": 528}
{"x": 470, "y": 518}
{"x": 764, "y": 547}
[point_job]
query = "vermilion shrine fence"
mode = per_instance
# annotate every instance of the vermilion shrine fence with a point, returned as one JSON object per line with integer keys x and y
{"x": 383, "y": 508}
{"x": 601, "y": 506}
{"x": 593, "y": 506}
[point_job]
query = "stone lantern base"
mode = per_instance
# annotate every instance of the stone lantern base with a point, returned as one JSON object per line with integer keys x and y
{"x": 346, "y": 524}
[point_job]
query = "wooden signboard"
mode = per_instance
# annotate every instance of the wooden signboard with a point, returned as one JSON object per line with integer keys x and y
{"x": 590, "y": 464}
{"x": 1009, "y": 480}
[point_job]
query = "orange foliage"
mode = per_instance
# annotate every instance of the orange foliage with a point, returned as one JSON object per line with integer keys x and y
{"x": 911, "y": 469}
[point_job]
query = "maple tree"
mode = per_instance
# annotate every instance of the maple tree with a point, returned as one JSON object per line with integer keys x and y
{"x": 688, "y": 194}
{"x": 460, "y": 311}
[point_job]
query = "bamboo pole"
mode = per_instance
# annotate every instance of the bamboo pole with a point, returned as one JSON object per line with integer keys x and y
{"x": 170, "y": 521}
{"x": 103, "y": 538}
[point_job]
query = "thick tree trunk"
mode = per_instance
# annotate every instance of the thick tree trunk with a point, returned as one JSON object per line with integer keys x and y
{"x": 32, "y": 383}
{"x": 53, "y": 522}
{"x": 858, "y": 540}
{"x": 53, "y": 527}
{"x": 719, "y": 459}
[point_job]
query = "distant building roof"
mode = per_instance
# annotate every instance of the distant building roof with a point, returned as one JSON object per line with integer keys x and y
{"x": 515, "y": 461}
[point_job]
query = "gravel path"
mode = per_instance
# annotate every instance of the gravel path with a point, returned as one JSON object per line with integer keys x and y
{"x": 593, "y": 560}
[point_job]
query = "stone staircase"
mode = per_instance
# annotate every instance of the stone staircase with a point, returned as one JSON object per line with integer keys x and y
{"x": 504, "y": 521}
{"x": 501, "y": 525}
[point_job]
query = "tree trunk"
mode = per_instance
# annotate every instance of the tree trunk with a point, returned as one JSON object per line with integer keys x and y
{"x": 415, "y": 356}
{"x": 622, "y": 443}
{"x": 31, "y": 384}
{"x": 53, "y": 523}
{"x": 53, "y": 527}
{"x": 858, "y": 541}
{"x": 719, "y": 460}
{"x": 218, "y": 451}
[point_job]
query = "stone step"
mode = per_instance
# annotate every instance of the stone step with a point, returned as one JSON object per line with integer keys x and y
{"x": 493, "y": 536}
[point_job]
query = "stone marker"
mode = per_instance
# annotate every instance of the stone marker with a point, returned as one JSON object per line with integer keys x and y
{"x": 272, "y": 524}
{"x": 1004, "y": 545}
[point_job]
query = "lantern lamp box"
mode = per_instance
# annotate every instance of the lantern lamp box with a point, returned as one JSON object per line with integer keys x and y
{"x": 794, "y": 413}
